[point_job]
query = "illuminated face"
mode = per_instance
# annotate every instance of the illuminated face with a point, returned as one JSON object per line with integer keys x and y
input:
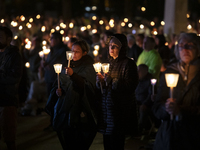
{"x": 113, "y": 50}
{"x": 78, "y": 53}
{"x": 187, "y": 51}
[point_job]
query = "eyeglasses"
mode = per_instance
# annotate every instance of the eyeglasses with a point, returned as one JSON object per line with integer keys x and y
{"x": 189, "y": 46}
{"x": 113, "y": 46}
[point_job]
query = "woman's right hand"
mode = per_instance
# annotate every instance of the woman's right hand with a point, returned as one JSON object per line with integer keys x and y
{"x": 100, "y": 77}
{"x": 59, "y": 92}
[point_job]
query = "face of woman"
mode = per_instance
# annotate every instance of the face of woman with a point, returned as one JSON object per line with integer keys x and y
{"x": 113, "y": 50}
{"x": 187, "y": 51}
{"x": 78, "y": 53}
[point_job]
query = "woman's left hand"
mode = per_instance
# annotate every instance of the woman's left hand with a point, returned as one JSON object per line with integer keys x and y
{"x": 69, "y": 71}
{"x": 171, "y": 106}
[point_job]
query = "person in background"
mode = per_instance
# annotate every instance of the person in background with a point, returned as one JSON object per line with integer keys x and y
{"x": 117, "y": 106}
{"x": 139, "y": 40}
{"x": 10, "y": 75}
{"x": 133, "y": 49}
{"x": 181, "y": 131}
{"x": 150, "y": 57}
{"x": 73, "y": 112}
{"x": 71, "y": 41}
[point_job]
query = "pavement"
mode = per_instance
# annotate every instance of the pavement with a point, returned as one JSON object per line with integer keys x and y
{"x": 31, "y": 136}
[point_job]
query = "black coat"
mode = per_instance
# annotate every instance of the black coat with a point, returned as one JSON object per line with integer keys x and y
{"x": 118, "y": 112}
{"x": 183, "y": 132}
{"x": 134, "y": 52}
{"x": 10, "y": 75}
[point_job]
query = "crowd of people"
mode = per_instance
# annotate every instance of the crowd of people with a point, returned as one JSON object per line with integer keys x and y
{"x": 117, "y": 103}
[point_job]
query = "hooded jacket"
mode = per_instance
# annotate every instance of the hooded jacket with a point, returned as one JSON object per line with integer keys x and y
{"x": 117, "y": 103}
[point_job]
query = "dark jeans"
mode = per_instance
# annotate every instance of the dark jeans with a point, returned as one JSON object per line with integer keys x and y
{"x": 114, "y": 142}
{"x": 76, "y": 139}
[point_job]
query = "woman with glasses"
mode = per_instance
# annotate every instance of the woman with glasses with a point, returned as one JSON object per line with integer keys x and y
{"x": 117, "y": 116}
{"x": 182, "y": 131}
{"x": 73, "y": 102}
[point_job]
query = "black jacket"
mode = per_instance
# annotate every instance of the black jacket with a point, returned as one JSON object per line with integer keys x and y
{"x": 10, "y": 75}
{"x": 183, "y": 132}
{"x": 134, "y": 52}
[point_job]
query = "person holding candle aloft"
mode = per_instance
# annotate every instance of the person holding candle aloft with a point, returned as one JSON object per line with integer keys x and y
{"x": 117, "y": 105}
{"x": 181, "y": 132}
{"x": 73, "y": 109}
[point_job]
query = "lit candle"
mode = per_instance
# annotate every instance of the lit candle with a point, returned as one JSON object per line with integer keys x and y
{"x": 97, "y": 67}
{"x": 153, "y": 83}
{"x": 27, "y": 65}
{"x": 70, "y": 56}
{"x": 58, "y": 68}
{"x": 46, "y": 51}
{"x": 171, "y": 80}
{"x": 41, "y": 53}
{"x": 96, "y": 47}
{"x": 95, "y": 53}
{"x": 105, "y": 68}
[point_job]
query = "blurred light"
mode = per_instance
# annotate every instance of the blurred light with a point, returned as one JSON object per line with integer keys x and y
{"x": 143, "y": 8}
{"x": 155, "y": 32}
{"x": 152, "y": 23}
{"x": 26, "y": 40}
{"x": 94, "y": 18}
{"x": 27, "y": 65}
{"x": 189, "y": 27}
{"x": 15, "y": 37}
{"x": 94, "y": 7}
{"x": 71, "y": 25}
{"x": 111, "y": 21}
{"x": 107, "y": 27}
{"x": 134, "y": 31}
{"x": 87, "y": 8}
{"x": 2, "y": 20}
{"x": 66, "y": 38}
{"x": 20, "y": 27}
{"x": 198, "y": 34}
{"x": 94, "y": 31}
{"x": 95, "y": 53}
{"x": 130, "y": 25}
{"x": 112, "y": 25}
{"x": 123, "y": 24}
{"x": 83, "y": 28}
{"x": 176, "y": 42}
{"x": 52, "y": 30}
{"x": 166, "y": 44}
{"x": 96, "y": 47}
{"x": 188, "y": 15}
{"x": 22, "y": 18}
{"x": 199, "y": 20}
{"x": 31, "y": 20}
{"x": 57, "y": 28}
{"x": 63, "y": 39}
{"x": 29, "y": 42}
{"x": 44, "y": 47}
{"x": 62, "y": 31}
{"x": 101, "y": 22}
{"x": 88, "y": 26}
{"x": 41, "y": 53}
{"x": 162, "y": 23}
{"x": 125, "y": 19}
{"x": 29, "y": 26}
{"x": 44, "y": 42}
{"x": 14, "y": 24}
{"x": 141, "y": 26}
{"x": 43, "y": 28}
{"x": 38, "y": 16}
{"x": 28, "y": 46}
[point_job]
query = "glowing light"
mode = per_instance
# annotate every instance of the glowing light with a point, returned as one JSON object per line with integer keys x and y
{"x": 125, "y": 19}
{"x": 134, "y": 31}
{"x": 44, "y": 42}
{"x": 31, "y": 20}
{"x": 94, "y": 31}
{"x": 188, "y": 15}
{"x": 189, "y": 27}
{"x": 141, "y": 26}
{"x": 27, "y": 65}
{"x": 62, "y": 31}
{"x": 44, "y": 47}
{"x": 152, "y": 23}
{"x": 88, "y": 26}
{"x": 176, "y": 42}
{"x": 162, "y": 23}
{"x": 43, "y": 28}
{"x": 107, "y": 28}
{"x": 199, "y": 20}
{"x": 94, "y": 18}
{"x": 38, "y": 16}
{"x": 143, "y": 8}
{"x": 22, "y": 18}
{"x": 26, "y": 40}
{"x": 155, "y": 32}
{"x": 83, "y": 28}
{"x": 52, "y": 30}
{"x": 87, "y": 8}
{"x": 15, "y": 37}
{"x": 95, "y": 53}
{"x": 57, "y": 28}
{"x": 2, "y": 20}
{"x": 46, "y": 51}
{"x": 41, "y": 53}
{"x": 96, "y": 47}
{"x": 20, "y": 27}
{"x": 66, "y": 38}
{"x": 29, "y": 26}
{"x": 166, "y": 44}
{"x": 28, "y": 46}
{"x": 130, "y": 25}
{"x": 94, "y": 7}
{"x": 101, "y": 22}
{"x": 111, "y": 21}
{"x": 123, "y": 24}
{"x": 71, "y": 25}
{"x": 112, "y": 25}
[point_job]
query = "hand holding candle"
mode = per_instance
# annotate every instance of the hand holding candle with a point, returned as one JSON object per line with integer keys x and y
{"x": 97, "y": 67}
{"x": 171, "y": 80}
{"x": 58, "y": 68}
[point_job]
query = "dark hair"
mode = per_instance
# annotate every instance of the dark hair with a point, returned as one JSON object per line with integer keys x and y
{"x": 141, "y": 35}
{"x": 73, "y": 39}
{"x": 83, "y": 44}
{"x": 57, "y": 35}
{"x": 7, "y": 31}
{"x": 96, "y": 35}
{"x": 143, "y": 66}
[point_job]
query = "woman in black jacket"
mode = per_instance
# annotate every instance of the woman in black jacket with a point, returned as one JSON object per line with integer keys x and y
{"x": 183, "y": 131}
{"x": 118, "y": 116}
{"x": 73, "y": 109}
